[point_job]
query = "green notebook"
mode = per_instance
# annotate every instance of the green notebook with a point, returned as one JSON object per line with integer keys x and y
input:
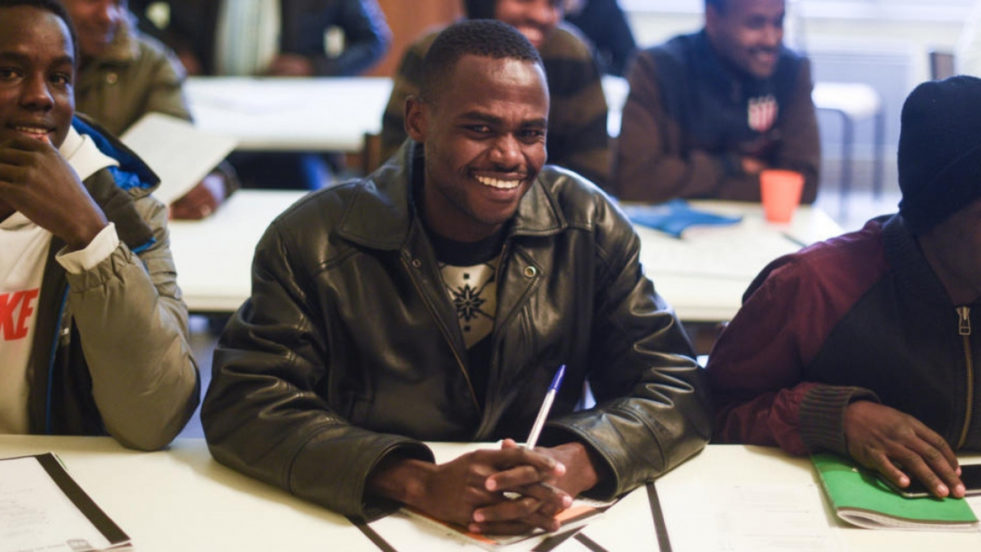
{"x": 858, "y": 496}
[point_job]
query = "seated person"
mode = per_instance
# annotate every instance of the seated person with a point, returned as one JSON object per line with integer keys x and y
{"x": 577, "y": 135}
{"x": 434, "y": 300}
{"x": 253, "y": 37}
{"x": 94, "y": 330}
{"x": 708, "y": 111}
{"x": 290, "y": 41}
{"x": 124, "y": 75}
{"x": 864, "y": 344}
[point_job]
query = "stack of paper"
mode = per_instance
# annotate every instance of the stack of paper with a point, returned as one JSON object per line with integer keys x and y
{"x": 43, "y": 508}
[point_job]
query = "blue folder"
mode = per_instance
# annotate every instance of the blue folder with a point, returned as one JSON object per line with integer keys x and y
{"x": 674, "y": 217}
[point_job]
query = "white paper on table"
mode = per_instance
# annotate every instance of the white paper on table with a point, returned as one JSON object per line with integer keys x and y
{"x": 749, "y": 518}
{"x": 738, "y": 252}
{"x": 403, "y": 527}
{"x": 179, "y": 153}
{"x": 775, "y": 517}
{"x": 35, "y": 514}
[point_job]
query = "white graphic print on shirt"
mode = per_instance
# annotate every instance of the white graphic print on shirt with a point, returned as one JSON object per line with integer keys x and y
{"x": 473, "y": 291}
{"x": 23, "y": 251}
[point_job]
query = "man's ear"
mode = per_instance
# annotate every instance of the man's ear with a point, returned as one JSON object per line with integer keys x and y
{"x": 416, "y": 118}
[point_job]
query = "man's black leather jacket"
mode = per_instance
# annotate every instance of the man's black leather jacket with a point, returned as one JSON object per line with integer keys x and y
{"x": 349, "y": 349}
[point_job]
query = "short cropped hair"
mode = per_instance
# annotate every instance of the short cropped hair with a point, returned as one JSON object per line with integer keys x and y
{"x": 479, "y": 37}
{"x": 53, "y": 6}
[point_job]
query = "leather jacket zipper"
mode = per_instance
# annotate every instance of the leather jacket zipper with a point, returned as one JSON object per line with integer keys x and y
{"x": 432, "y": 312}
{"x": 964, "y": 330}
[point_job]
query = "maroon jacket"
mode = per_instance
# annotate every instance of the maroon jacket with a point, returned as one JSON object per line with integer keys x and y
{"x": 859, "y": 316}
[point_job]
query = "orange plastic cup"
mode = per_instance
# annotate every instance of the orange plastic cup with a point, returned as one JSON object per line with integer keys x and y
{"x": 781, "y": 191}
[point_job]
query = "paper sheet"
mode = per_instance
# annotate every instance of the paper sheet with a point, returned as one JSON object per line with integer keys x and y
{"x": 179, "y": 153}
{"x": 405, "y": 526}
{"x": 36, "y": 515}
{"x": 737, "y": 252}
{"x": 749, "y": 518}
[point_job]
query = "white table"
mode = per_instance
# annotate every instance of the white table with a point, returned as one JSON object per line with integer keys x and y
{"x": 214, "y": 255}
{"x": 181, "y": 499}
{"x": 703, "y": 275}
{"x": 716, "y": 501}
{"x": 290, "y": 114}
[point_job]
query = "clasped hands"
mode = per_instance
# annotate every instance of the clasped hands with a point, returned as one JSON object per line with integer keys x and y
{"x": 886, "y": 440}
{"x": 510, "y": 490}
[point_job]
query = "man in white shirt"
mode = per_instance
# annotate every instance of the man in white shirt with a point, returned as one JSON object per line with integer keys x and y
{"x": 92, "y": 327}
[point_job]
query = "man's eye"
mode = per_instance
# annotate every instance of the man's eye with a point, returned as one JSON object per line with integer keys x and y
{"x": 532, "y": 134}
{"x": 61, "y": 79}
{"x": 479, "y": 129}
{"x": 8, "y": 73}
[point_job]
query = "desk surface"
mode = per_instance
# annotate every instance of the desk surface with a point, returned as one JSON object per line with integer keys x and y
{"x": 214, "y": 255}
{"x": 703, "y": 275}
{"x": 299, "y": 114}
{"x": 181, "y": 499}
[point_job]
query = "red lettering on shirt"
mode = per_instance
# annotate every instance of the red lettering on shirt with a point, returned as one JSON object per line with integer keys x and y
{"x": 16, "y": 328}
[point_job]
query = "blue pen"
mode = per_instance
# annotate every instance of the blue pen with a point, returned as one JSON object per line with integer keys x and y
{"x": 553, "y": 389}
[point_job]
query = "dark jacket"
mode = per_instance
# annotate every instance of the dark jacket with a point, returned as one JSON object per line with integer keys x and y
{"x": 135, "y": 75}
{"x": 349, "y": 349}
{"x": 859, "y": 316}
{"x": 606, "y": 26}
{"x": 686, "y": 125}
{"x": 110, "y": 352}
{"x": 366, "y": 36}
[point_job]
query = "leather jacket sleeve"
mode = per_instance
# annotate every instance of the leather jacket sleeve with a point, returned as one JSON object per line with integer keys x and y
{"x": 652, "y": 408}
{"x": 263, "y": 414}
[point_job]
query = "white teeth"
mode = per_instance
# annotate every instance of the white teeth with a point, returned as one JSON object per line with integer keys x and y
{"x": 34, "y": 132}
{"x": 497, "y": 183}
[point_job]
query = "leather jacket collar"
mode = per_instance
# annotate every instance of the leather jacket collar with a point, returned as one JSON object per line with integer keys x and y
{"x": 381, "y": 214}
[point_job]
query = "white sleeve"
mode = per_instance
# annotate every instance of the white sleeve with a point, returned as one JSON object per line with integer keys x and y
{"x": 98, "y": 250}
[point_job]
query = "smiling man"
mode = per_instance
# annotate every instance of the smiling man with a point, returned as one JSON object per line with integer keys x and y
{"x": 434, "y": 300}
{"x": 93, "y": 336}
{"x": 578, "y": 137}
{"x": 707, "y": 112}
